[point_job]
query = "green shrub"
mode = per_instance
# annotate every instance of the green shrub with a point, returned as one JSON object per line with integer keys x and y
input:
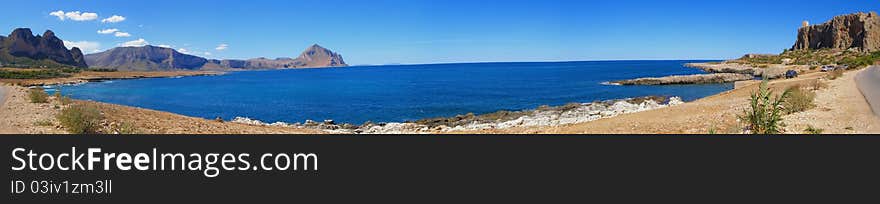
{"x": 43, "y": 123}
{"x": 38, "y": 95}
{"x": 856, "y": 62}
{"x": 31, "y": 74}
{"x": 81, "y": 119}
{"x": 798, "y": 100}
{"x": 834, "y": 74}
{"x": 764, "y": 115}
{"x": 126, "y": 128}
{"x": 812, "y": 130}
{"x": 62, "y": 100}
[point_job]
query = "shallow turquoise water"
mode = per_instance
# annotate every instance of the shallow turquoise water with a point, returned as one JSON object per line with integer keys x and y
{"x": 391, "y": 93}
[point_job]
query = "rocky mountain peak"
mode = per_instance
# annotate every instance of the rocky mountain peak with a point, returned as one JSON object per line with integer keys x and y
{"x": 49, "y": 34}
{"x": 22, "y": 35}
{"x": 317, "y": 56}
{"x": 21, "y": 43}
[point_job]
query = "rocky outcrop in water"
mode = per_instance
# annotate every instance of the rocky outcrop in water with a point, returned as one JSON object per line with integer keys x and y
{"x": 687, "y": 79}
{"x": 859, "y": 31}
{"x": 22, "y": 47}
{"x": 770, "y": 72}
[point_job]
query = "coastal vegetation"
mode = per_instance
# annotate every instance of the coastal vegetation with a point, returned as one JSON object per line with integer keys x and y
{"x": 38, "y": 95}
{"x": 834, "y": 74}
{"x": 34, "y": 73}
{"x": 43, "y": 123}
{"x": 855, "y": 59}
{"x": 798, "y": 99}
{"x": 81, "y": 119}
{"x": 813, "y": 130}
{"x": 764, "y": 114}
{"x": 126, "y": 128}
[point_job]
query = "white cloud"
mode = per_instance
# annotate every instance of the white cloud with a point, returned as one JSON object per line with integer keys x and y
{"x": 108, "y": 31}
{"x": 135, "y": 43}
{"x": 115, "y": 32}
{"x": 165, "y": 46}
{"x": 59, "y": 14}
{"x": 74, "y": 15}
{"x": 86, "y": 46}
{"x": 222, "y": 47}
{"x": 77, "y": 16}
{"x": 207, "y": 54}
{"x": 183, "y": 50}
{"x": 121, "y": 34}
{"x": 113, "y": 19}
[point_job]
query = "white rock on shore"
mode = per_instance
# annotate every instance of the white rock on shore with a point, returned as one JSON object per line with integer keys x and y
{"x": 583, "y": 112}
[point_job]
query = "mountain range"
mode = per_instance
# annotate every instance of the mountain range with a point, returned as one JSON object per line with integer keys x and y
{"x": 23, "y": 49}
{"x": 153, "y": 58}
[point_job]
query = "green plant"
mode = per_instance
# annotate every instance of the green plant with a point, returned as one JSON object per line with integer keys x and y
{"x": 62, "y": 99}
{"x": 38, "y": 95}
{"x": 43, "y": 123}
{"x": 813, "y": 130}
{"x": 126, "y": 128}
{"x": 834, "y": 74}
{"x": 764, "y": 115}
{"x": 81, "y": 119}
{"x": 31, "y": 74}
{"x": 798, "y": 100}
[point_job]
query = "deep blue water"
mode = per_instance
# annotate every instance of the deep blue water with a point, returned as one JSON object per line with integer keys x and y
{"x": 391, "y": 93}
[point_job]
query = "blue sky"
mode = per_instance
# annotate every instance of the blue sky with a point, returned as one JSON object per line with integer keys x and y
{"x": 435, "y": 31}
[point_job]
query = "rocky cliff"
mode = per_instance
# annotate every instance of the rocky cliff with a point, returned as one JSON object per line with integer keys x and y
{"x": 146, "y": 58}
{"x": 859, "y": 31}
{"x": 23, "y": 48}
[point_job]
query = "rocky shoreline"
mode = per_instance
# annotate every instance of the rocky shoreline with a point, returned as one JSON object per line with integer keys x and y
{"x": 687, "y": 79}
{"x": 770, "y": 72}
{"x": 92, "y": 76}
{"x": 542, "y": 116}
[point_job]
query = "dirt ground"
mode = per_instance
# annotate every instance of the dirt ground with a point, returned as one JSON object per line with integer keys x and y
{"x": 19, "y": 116}
{"x": 840, "y": 109}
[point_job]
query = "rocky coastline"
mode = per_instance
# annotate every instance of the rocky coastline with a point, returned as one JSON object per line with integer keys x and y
{"x": 687, "y": 79}
{"x": 541, "y": 116}
{"x": 91, "y": 76}
{"x": 770, "y": 72}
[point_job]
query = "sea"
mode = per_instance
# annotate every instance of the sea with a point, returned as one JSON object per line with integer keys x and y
{"x": 394, "y": 93}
